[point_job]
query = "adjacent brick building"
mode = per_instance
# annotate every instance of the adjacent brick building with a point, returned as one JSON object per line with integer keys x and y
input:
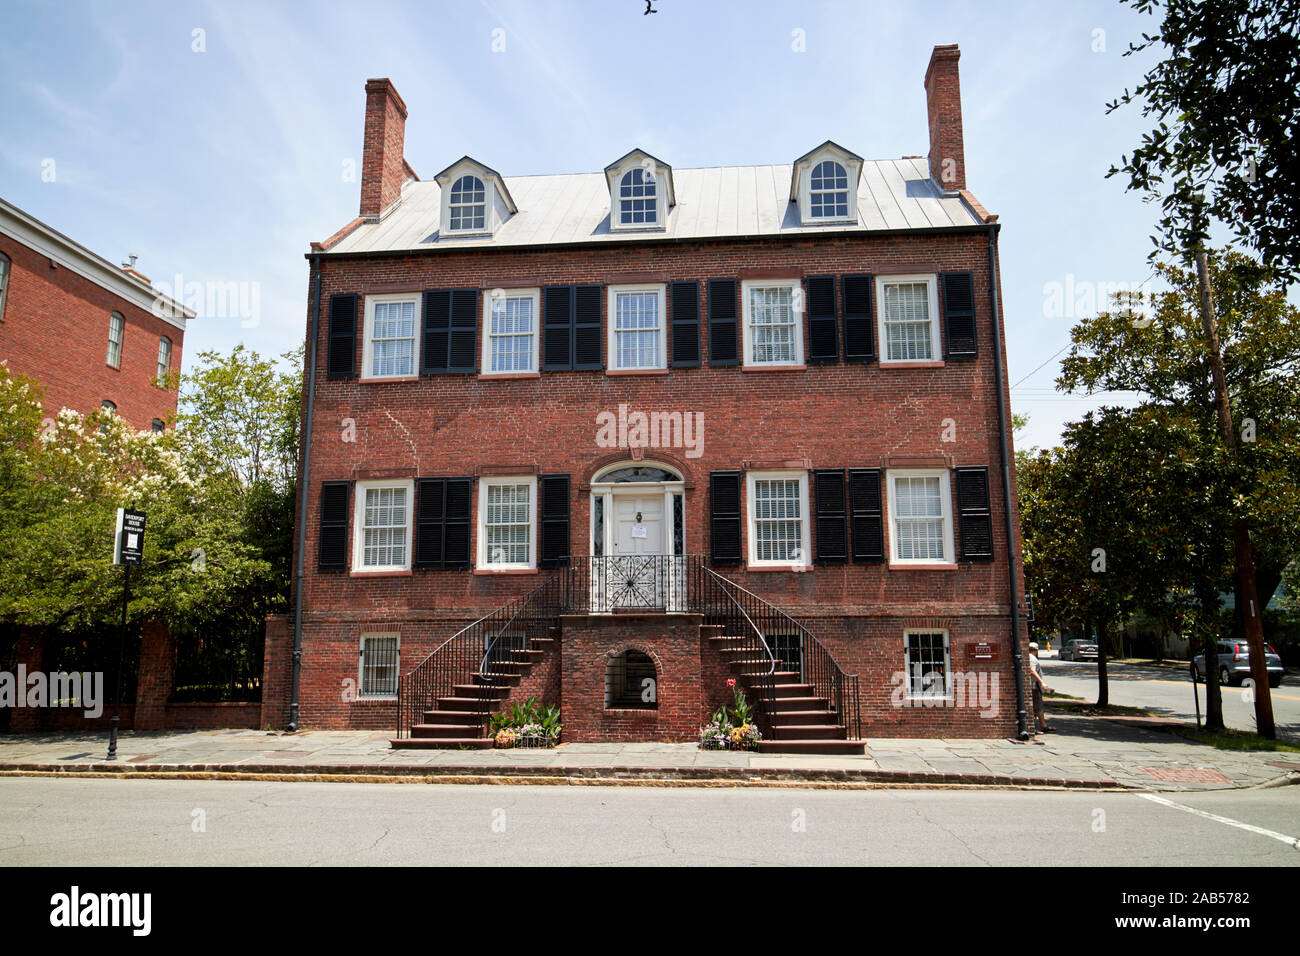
{"x": 652, "y": 428}
{"x": 95, "y": 335}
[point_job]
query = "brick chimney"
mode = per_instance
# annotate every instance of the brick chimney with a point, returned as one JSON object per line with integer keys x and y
{"x": 943, "y": 107}
{"x": 383, "y": 168}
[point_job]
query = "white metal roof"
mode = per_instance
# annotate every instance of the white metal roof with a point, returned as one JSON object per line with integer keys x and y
{"x": 717, "y": 202}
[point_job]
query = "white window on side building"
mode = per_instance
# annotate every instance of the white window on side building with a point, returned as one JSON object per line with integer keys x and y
{"x": 164, "y": 357}
{"x": 507, "y": 510}
{"x": 116, "y": 332}
{"x": 778, "y": 518}
{"x": 920, "y": 517}
{"x": 909, "y": 318}
{"x": 382, "y": 526}
{"x": 392, "y": 334}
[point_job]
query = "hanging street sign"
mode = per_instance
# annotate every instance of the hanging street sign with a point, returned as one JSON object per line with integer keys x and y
{"x": 128, "y": 541}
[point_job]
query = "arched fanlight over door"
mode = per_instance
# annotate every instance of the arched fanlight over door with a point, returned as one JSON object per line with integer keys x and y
{"x": 628, "y": 473}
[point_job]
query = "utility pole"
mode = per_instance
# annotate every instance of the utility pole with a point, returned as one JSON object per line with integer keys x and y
{"x": 1249, "y": 606}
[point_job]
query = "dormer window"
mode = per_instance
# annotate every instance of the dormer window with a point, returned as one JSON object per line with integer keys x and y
{"x": 475, "y": 201}
{"x": 640, "y": 192}
{"x": 637, "y": 204}
{"x": 824, "y": 183}
{"x": 468, "y": 205}
{"x": 828, "y": 193}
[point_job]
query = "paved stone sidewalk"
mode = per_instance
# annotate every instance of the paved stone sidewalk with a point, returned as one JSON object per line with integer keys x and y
{"x": 1085, "y": 751}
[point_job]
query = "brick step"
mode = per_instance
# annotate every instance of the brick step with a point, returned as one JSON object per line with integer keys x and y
{"x": 799, "y": 691}
{"x": 440, "y": 743}
{"x": 810, "y": 716}
{"x": 782, "y": 730}
{"x": 812, "y": 746}
{"x": 467, "y": 717}
{"x": 470, "y": 704}
{"x": 441, "y": 731}
{"x": 497, "y": 679}
{"x": 781, "y": 704}
{"x": 511, "y": 668}
{"x": 530, "y": 656}
{"x": 492, "y": 693}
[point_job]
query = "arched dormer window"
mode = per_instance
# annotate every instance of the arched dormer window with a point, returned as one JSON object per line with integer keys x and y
{"x": 828, "y": 192}
{"x": 468, "y": 207}
{"x": 637, "y": 204}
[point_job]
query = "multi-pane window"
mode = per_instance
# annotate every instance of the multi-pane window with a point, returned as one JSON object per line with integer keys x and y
{"x": 921, "y": 529}
{"x": 4, "y": 281}
{"x": 512, "y": 331}
{"x": 507, "y": 523}
{"x": 637, "y": 201}
{"x": 772, "y": 330}
{"x": 157, "y": 426}
{"x": 778, "y": 525}
{"x": 164, "y": 357}
{"x": 907, "y": 314}
{"x": 379, "y": 665}
{"x": 116, "y": 329}
{"x": 468, "y": 205}
{"x": 385, "y": 528}
{"x": 927, "y": 663}
{"x": 637, "y": 330}
{"x": 828, "y": 191}
{"x": 391, "y": 341}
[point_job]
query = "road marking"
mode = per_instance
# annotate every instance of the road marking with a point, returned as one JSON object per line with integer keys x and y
{"x": 1290, "y": 841}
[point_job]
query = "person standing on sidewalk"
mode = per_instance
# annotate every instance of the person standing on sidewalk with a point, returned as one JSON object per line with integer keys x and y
{"x": 1039, "y": 687}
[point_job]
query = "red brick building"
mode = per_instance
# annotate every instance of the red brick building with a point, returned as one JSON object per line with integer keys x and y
{"x": 613, "y": 438}
{"x": 94, "y": 334}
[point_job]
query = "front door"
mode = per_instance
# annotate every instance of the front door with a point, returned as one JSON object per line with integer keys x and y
{"x": 639, "y": 524}
{"x": 634, "y": 574}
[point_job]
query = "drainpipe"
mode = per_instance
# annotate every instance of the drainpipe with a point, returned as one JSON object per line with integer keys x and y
{"x": 303, "y": 488}
{"x": 1022, "y": 718}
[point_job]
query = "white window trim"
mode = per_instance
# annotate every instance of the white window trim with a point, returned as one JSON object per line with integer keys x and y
{"x": 121, "y": 344}
{"x": 489, "y": 204}
{"x": 368, "y": 348}
{"x": 932, "y": 298}
{"x": 611, "y": 337}
{"x": 796, "y": 307}
{"x": 359, "y": 520}
{"x": 853, "y": 173}
{"x": 616, "y": 200}
{"x": 945, "y": 500}
{"x": 948, "y": 683}
{"x": 361, "y": 664}
{"x": 751, "y": 524}
{"x": 486, "y": 348}
{"x": 481, "y": 562}
{"x": 164, "y": 369}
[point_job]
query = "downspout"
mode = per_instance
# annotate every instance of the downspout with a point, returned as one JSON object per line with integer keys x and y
{"x": 1017, "y": 658}
{"x": 313, "y": 346}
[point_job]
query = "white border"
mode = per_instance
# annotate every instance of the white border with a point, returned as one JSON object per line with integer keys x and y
{"x": 796, "y": 302}
{"x": 359, "y": 517}
{"x": 611, "y": 338}
{"x": 945, "y": 499}
{"x": 936, "y": 350}
{"x": 481, "y": 562}
{"x": 853, "y": 175}
{"x": 804, "y": 525}
{"x": 368, "y": 349}
{"x": 485, "y": 348}
{"x": 616, "y": 203}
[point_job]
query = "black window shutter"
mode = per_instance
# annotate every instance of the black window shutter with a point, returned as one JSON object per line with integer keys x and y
{"x": 557, "y": 327}
{"x": 586, "y": 326}
{"x": 685, "y": 302}
{"x": 859, "y": 323}
{"x": 341, "y": 360}
{"x": 867, "y": 515}
{"x": 831, "y": 508}
{"x": 430, "y": 510}
{"x": 974, "y": 518}
{"x": 333, "y": 553}
{"x": 455, "y": 548}
{"x": 959, "y": 315}
{"x": 823, "y": 339}
{"x": 724, "y": 517}
{"x": 724, "y": 326}
{"x": 553, "y": 502}
{"x": 450, "y": 323}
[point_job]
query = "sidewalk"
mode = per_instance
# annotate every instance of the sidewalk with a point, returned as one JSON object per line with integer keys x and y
{"x": 1086, "y": 752}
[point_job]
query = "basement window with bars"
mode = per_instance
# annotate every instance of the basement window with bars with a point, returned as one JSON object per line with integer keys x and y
{"x": 631, "y": 682}
{"x": 928, "y": 664}
{"x": 379, "y": 656}
{"x": 909, "y": 317}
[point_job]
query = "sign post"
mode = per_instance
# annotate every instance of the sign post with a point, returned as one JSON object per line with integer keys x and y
{"x": 128, "y": 549}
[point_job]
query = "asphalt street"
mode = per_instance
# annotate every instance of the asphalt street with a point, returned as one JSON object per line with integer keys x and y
{"x": 1168, "y": 690}
{"x": 88, "y": 822}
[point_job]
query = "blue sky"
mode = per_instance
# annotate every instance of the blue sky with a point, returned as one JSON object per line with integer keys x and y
{"x": 222, "y": 165}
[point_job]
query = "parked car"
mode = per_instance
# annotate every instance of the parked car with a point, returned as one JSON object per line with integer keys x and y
{"x": 1078, "y": 650}
{"x": 1234, "y": 663}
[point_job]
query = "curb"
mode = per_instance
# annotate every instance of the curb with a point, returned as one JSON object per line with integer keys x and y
{"x": 573, "y": 776}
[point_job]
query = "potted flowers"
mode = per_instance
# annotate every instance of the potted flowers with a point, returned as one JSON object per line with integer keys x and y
{"x": 528, "y": 724}
{"x": 731, "y": 728}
